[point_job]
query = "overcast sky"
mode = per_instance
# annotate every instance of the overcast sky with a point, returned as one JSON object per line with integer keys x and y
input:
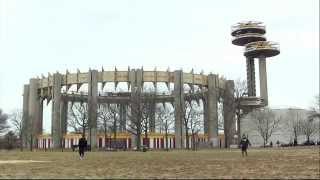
{"x": 39, "y": 36}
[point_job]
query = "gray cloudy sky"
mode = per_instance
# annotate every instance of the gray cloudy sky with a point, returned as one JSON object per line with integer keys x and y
{"x": 39, "y": 36}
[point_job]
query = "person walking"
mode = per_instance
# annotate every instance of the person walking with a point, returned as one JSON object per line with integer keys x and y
{"x": 82, "y": 146}
{"x": 244, "y": 143}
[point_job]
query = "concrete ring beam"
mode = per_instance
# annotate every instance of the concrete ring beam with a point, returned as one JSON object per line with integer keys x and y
{"x": 248, "y": 27}
{"x": 79, "y": 78}
{"x": 244, "y": 39}
{"x": 261, "y": 49}
{"x": 252, "y": 102}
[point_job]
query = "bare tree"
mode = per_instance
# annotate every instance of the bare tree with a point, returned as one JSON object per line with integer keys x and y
{"x": 195, "y": 126}
{"x": 16, "y": 119}
{"x": 3, "y": 122}
{"x": 147, "y": 111}
{"x": 139, "y": 113}
{"x": 166, "y": 120}
{"x": 191, "y": 120}
{"x": 294, "y": 123}
{"x": 134, "y": 115}
{"x": 104, "y": 120}
{"x": 240, "y": 90}
{"x": 79, "y": 117}
{"x": 11, "y": 140}
{"x": 265, "y": 123}
{"x": 309, "y": 127}
{"x": 114, "y": 120}
{"x": 315, "y": 109}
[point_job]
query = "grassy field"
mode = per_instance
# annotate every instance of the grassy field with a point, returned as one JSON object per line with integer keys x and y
{"x": 260, "y": 163}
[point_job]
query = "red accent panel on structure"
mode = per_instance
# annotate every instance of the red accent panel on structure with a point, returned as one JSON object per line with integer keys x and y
{"x": 146, "y": 142}
{"x": 162, "y": 142}
{"x": 49, "y": 143}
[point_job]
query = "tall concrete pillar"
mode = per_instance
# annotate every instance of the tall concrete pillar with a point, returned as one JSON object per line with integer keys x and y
{"x": 263, "y": 79}
{"x": 251, "y": 81}
{"x": 179, "y": 109}
{"x": 34, "y": 106}
{"x": 92, "y": 107}
{"x": 152, "y": 117}
{"x": 136, "y": 79}
{"x": 56, "y": 111}
{"x": 205, "y": 116}
{"x": 212, "y": 97}
{"x": 26, "y": 124}
{"x": 123, "y": 117}
{"x": 64, "y": 116}
{"x": 139, "y": 79}
{"x": 40, "y": 124}
{"x": 229, "y": 113}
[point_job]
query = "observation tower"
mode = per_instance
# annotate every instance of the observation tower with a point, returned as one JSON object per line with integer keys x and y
{"x": 251, "y": 35}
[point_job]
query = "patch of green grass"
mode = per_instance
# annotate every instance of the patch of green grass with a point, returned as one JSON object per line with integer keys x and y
{"x": 260, "y": 163}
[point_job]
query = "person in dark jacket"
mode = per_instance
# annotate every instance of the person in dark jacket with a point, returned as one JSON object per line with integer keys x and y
{"x": 244, "y": 143}
{"x": 82, "y": 146}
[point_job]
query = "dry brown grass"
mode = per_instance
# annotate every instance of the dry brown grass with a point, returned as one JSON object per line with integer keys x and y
{"x": 261, "y": 163}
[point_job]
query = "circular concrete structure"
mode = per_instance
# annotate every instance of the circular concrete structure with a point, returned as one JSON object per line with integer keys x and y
{"x": 56, "y": 88}
{"x": 248, "y": 27}
{"x": 261, "y": 49}
{"x": 243, "y": 39}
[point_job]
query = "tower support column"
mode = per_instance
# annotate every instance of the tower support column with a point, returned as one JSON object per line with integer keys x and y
{"x": 251, "y": 81}
{"x": 263, "y": 79}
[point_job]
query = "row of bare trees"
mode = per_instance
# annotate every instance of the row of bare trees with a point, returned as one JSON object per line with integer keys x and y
{"x": 295, "y": 121}
{"x": 299, "y": 124}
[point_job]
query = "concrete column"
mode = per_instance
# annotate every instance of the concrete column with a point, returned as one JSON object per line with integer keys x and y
{"x": 92, "y": 107}
{"x": 251, "y": 81}
{"x": 64, "y": 116}
{"x": 179, "y": 108}
{"x": 139, "y": 86}
{"x": 123, "y": 117}
{"x": 263, "y": 79}
{"x": 212, "y": 110}
{"x": 205, "y": 116}
{"x": 152, "y": 117}
{"x": 34, "y": 106}
{"x": 40, "y": 124}
{"x": 229, "y": 113}
{"x": 139, "y": 79}
{"x": 56, "y": 102}
{"x": 25, "y": 117}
